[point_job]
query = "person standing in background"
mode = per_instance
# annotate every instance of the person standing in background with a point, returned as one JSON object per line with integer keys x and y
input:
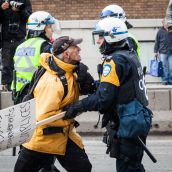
{"x": 163, "y": 51}
{"x": 14, "y": 16}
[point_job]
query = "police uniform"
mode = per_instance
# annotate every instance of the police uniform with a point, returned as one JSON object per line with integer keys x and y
{"x": 121, "y": 84}
{"x": 134, "y": 44}
{"x": 26, "y": 62}
{"x": 65, "y": 143}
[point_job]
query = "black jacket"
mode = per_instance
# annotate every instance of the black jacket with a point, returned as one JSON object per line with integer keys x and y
{"x": 14, "y": 23}
{"x": 163, "y": 42}
{"x": 108, "y": 94}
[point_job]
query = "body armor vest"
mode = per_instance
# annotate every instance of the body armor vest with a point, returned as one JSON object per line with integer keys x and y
{"x": 134, "y": 86}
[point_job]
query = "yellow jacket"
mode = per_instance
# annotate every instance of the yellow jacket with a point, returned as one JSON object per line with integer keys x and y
{"x": 49, "y": 93}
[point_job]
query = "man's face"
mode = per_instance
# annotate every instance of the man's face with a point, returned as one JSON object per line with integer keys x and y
{"x": 49, "y": 31}
{"x": 100, "y": 40}
{"x": 74, "y": 54}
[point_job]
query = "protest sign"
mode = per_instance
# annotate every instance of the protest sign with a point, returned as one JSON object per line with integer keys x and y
{"x": 17, "y": 124}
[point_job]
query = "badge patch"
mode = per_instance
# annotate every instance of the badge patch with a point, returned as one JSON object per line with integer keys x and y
{"x": 106, "y": 69}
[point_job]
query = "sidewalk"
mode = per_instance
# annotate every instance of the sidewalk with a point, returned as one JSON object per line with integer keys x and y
{"x": 161, "y": 123}
{"x": 160, "y": 102}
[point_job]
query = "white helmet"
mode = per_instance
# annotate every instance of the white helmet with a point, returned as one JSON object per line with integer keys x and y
{"x": 113, "y": 11}
{"x": 112, "y": 29}
{"x": 39, "y": 20}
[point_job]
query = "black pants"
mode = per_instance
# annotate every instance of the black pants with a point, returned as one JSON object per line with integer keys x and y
{"x": 8, "y": 51}
{"x": 130, "y": 149}
{"x": 75, "y": 160}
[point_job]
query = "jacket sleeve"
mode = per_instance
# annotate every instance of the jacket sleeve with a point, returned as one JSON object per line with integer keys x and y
{"x": 27, "y": 11}
{"x": 107, "y": 92}
{"x": 102, "y": 100}
{"x": 156, "y": 46}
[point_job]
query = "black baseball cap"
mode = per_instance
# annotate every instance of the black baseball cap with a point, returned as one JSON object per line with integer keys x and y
{"x": 63, "y": 43}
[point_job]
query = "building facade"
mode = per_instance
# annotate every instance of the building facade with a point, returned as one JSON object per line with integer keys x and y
{"x": 90, "y": 9}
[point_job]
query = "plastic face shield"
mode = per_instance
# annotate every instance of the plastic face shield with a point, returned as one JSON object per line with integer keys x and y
{"x": 56, "y": 27}
{"x": 55, "y": 24}
{"x": 108, "y": 13}
{"x": 96, "y": 35}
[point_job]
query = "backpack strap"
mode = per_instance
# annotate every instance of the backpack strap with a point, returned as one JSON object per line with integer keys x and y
{"x": 60, "y": 72}
{"x": 36, "y": 77}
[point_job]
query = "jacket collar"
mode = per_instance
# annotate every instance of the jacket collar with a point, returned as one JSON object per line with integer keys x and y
{"x": 69, "y": 68}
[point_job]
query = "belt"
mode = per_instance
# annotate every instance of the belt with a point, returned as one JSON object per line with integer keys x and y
{"x": 52, "y": 130}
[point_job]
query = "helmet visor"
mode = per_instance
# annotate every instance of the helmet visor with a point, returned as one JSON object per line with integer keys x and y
{"x": 108, "y": 13}
{"x": 96, "y": 35}
{"x": 56, "y": 27}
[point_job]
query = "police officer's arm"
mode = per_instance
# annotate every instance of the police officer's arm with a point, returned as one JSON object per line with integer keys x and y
{"x": 27, "y": 11}
{"x": 107, "y": 92}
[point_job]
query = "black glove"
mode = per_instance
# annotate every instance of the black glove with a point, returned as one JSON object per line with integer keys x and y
{"x": 81, "y": 72}
{"x": 85, "y": 80}
{"x": 73, "y": 110}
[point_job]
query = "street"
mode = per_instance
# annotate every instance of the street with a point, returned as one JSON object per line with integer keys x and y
{"x": 160, "y": 146}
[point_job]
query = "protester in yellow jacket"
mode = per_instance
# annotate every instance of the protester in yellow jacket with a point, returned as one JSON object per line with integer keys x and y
{"x": 59, "y": 137}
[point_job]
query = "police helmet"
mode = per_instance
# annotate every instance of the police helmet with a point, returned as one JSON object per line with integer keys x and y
{"x": 113, "y": 11}
{"x": 39, "y": 20}
{"x": 113, "y": 30}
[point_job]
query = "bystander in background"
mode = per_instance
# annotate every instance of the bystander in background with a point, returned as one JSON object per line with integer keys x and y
{"x": 163, "y": 51}
{"x": 14, "y": 16}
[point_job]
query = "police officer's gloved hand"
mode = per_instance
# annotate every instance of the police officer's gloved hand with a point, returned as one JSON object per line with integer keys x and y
{"x": 73, "y": 110}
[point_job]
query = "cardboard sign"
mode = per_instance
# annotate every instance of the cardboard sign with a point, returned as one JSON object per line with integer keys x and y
{"x": 17, "y": 124}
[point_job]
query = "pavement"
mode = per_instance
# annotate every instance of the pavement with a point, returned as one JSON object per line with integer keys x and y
{"x": 160, "y": 147}
{"x": 161, "y": 123}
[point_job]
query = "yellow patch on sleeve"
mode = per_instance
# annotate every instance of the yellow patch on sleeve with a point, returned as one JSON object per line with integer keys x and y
{"x": 109, "y": 73}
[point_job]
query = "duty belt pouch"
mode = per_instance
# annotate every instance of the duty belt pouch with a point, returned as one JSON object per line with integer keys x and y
{"x": 135, "y": 120}
{"x": 52, "y": 130}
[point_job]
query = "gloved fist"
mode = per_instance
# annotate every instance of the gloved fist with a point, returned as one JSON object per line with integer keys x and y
{"x": 81, "y": 72}
{"x": 85, "y": 80}
{"x": 73, "y": 110}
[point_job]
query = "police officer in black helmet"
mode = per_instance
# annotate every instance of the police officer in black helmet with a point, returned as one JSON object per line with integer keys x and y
{"x": 121, "y": 97}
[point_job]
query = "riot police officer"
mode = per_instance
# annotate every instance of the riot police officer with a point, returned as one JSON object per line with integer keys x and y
{"x": 118, "y": 12}
{"x": 41, "y": 27}
{"x": 121, "y": 96}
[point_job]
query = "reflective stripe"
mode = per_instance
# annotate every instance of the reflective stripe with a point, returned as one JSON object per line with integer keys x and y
{"x": 31, "y": 69}
{"x": 27, "y": 58}
{"x": 24, "y": 81}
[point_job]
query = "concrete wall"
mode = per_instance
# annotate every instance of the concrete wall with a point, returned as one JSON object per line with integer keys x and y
{"x": 144, "y": 29}
{"x": 160, "y": 98}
